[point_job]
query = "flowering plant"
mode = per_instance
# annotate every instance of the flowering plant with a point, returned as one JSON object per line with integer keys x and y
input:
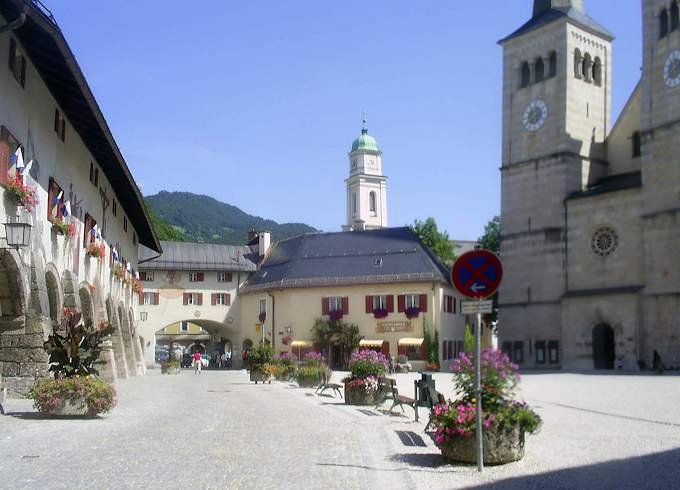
{"x": 63, "y": 228}
{"x": 95, "y": 250}
{"x": 136, "y": 285}
{"x": 118, "y": 271}
{"x": 380, "y": 313}
{"x": 314, "y": 358}
{"x": 95, "y": 394}
{"x": 335, "y": 315}
{"x": 262, "y": 317}
{"x": 499, "y": 377}
{"x": 412, "y": 312}
{"x": 24, "y": 194}
{"x": 367, "y": 363}
{"x": 287, "y": 340}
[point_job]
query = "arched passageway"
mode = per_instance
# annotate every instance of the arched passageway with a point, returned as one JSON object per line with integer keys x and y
{"x": 117, "y": 340}
{"x": 604, "y": 350}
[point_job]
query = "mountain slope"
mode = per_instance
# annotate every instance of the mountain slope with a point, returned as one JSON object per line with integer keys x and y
{"x": 201, "y": 218}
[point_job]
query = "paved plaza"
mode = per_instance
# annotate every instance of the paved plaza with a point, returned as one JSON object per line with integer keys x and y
{"x": 217, "y": 430}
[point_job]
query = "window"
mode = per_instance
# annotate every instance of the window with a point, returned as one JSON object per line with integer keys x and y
{"x": 8, "y": 148}
{"x": 637, "y": 144}
{"x": 412, "y": 300}
{"x": 125, "y": 224}
{"x": 146, "y": 276}
{"x": 597, "y": 71}
{"x": 55, "y": 199}
{"x": 193, "y": 299}
{"x": 59, "y": 125}
{"x": 380, "y": 302}
{"x": 148, "y": 298}
{"x": 354, "y": 203}
{"x": 224, "y": 277}
{"x": 221, "y": 299}
{"x": 587, "y": 68}
{"x": 525, "y": 74}
{"x": 114, "y": 207}
{"x": 675, "y": 16}
{"x": 578, "y": 64}
{"x": 335, "y": 303}
{"x": 540, "y": 352}
{"x": 184, "y": 326}
{"x": 553, "y": 352}
{"x": 518, "y": 352}
{"x": 89, "y": 236}
{"x": 196, "y": 277}
{"x": 663, "y": 24}
{"x": 449, "y": 304}
{"x": 94, "y": 174}
{"x": 552, "y": 70}
{"x": 263, "y": 306}
{"x": 17, "y": 63}
{"x": 539, "y": 70}
{"x": 372, "y": 205}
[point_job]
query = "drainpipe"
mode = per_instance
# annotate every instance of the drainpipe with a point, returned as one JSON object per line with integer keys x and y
{"x": 273, "y": 319}
{"x": 12, "y": 26}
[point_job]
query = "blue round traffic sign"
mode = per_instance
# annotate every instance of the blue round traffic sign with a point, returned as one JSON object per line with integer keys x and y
{"x": 477, "y": 274}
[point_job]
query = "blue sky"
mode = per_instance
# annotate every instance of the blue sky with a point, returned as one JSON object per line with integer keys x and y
{"x": 256, "y": 102}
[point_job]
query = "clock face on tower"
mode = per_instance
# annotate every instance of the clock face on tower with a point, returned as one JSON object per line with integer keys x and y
{"x": 371, "y": 163}
{"x": 671, "y": 70}
{"x": 535, "y": 115}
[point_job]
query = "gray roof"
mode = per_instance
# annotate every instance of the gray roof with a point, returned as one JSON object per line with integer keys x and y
{"x": 186, "y": 256}
{"x": 386, "y": 255}
{"x": 574, "y": 15}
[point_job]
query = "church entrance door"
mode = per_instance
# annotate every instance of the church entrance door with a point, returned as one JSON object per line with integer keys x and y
{"x": 603, "y": 346}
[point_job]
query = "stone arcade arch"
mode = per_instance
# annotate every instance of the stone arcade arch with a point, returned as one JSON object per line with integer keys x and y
{"x": 54, "y": 295}
{"x": 137, "y": 343}
{"x": 127, "y": 340}
{"x": 604, "y": 350}
{"x": 117, "y": 340}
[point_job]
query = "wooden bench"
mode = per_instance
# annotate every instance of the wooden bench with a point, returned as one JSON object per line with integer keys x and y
{"x": 433, "y": 398}
{"x": 325, "y": 385}
{"x": 388, "y": 389}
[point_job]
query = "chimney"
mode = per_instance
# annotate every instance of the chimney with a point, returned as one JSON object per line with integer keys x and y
{"x": 264, "y": 239}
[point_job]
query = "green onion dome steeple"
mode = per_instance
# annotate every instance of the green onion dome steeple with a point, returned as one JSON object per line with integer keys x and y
{"x": 365, "y": 142}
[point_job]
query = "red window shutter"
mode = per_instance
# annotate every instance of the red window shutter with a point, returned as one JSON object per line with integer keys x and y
{"x": 369, "y": 304}
{"x": 228, "y": 277}
{"x": 141, "y": 298}
{"x": 213, "y": 299}
{"x": 345, "y": 306}
{"x": 200, "y": 299}
{"x": 422, "y": 303}
{"x": 185, "y": 298}
{"x": 324, "y": 306}
{"x": 401, "y": 303}
{"x": 201, "y": 276}
{"x": 228, "y": 296}
{"x": 156, "y": 298}
{"x": 390, "y": 303}
{"x": 52, "y": 192}
{"x": 4, "y": 158}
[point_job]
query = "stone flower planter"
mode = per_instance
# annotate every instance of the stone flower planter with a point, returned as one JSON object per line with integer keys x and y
{"x": 74, "y": 407}
{"x": 357, "y": 395}
{"x": 256, "y": 376}
{"x": 308, "y": 381}
{"x": 500, "y": 447}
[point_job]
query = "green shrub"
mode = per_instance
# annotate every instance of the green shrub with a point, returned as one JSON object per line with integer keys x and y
{"x": 50, "y": 394}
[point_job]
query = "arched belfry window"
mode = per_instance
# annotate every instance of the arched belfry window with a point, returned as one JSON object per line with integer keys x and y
{"x": 552, "y": 64}
{"x": 539, "y": 69}
{"x": 372, "y": 203}
{"x": 587, "y": 67}
{"x": 526, "y": 74}
{"x": 578, "y": 64}
{"x": 675, "y": 16}
{"x": 597, "y": 71}
{"x": 663, "y": 23}
{"x": 637, "y": 144}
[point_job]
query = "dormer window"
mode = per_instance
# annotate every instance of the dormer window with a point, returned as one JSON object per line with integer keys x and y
{"x": 17, "y": 63}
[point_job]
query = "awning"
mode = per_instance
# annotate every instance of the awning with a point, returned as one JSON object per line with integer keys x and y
{"x": 412, "y": 342}
{"x": 301, "y": 343}
{"x": 371, "y": 343}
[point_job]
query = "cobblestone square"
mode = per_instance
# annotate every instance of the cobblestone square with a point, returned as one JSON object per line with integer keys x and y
{"x": 218, "y": 430}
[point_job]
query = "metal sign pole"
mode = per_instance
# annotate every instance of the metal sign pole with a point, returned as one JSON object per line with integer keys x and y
{"x": 478, "y": 393}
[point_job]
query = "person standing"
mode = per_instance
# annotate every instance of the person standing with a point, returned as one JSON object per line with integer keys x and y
{"x": 197, "y": 362}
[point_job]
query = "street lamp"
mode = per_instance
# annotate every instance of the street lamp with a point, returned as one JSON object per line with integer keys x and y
{"x": 18, "y": 235}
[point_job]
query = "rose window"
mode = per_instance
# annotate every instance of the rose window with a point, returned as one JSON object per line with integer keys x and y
{"x": 604, "y": 241}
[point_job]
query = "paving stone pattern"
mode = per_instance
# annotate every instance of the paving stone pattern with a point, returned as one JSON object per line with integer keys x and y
{"x": 217, "y": 430}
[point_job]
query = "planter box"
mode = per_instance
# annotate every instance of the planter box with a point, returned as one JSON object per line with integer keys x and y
{"x": 260, "y": 376}
{"x": 308, "y": 382}
{"x": 500, "y": 447}
{"x": 357, "y": 395}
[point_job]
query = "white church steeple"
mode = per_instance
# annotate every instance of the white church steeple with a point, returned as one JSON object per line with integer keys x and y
{"x": 366, "y": 185}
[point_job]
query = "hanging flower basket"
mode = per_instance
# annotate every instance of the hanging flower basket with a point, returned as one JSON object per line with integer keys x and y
{"x": 22, "y": 194}
{"x": 335, "y": 315}
{"x": 380, "y": 313}
{"x": 136, "y": 285}
{"x": 412, "y": 312}
{"x": 287, "y": 340}
{"x": 262, "y": 317}
{"x": 60, "y": 227}
{"x": 98, "y": 251}
{"x": 118, "y": 272}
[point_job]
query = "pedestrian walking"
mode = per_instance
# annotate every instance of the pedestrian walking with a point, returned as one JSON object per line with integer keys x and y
{"x": 197, "y": 362}
{"x": 228, "y": 354}
{"x": 245, "y": 359}
{"x": 223, "y": 360}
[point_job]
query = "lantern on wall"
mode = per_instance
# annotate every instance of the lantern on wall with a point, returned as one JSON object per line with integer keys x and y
{"x": 18, "y": 235}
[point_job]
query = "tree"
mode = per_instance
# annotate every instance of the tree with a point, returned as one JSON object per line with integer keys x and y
{"x": 328, "y": 332}
{"x": 437, "y": 241}
{"x": 164, "y": 230}
{"x": 491, "y": 239}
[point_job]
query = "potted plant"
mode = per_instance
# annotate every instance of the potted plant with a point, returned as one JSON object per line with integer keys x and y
{"x": 136, "y": 285}
{"x": 76, "y": 388}
{"x": 380, "y": 313}
{"x": 257, "y": 358}
{"x": 23, "y": 195}
{"x": 308, "y": 374}
{"x": 412, "y": 312}
{"x": 171, "y": 366}
{"x": 118, "y": 271}
{"x": 287, "y": 340}
{"x": 335, "y": 315}
{"x": 361, "y": 386}
{"x": 96, "y": 250}
{"x": 505, "y": 421}
{"x": 262, "y": 316}
{"x": 287, "y": 365}
{"x": 62, "y": 228}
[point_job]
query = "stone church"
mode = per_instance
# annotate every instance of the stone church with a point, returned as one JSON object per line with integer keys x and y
{"x": 590, "y": 210}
